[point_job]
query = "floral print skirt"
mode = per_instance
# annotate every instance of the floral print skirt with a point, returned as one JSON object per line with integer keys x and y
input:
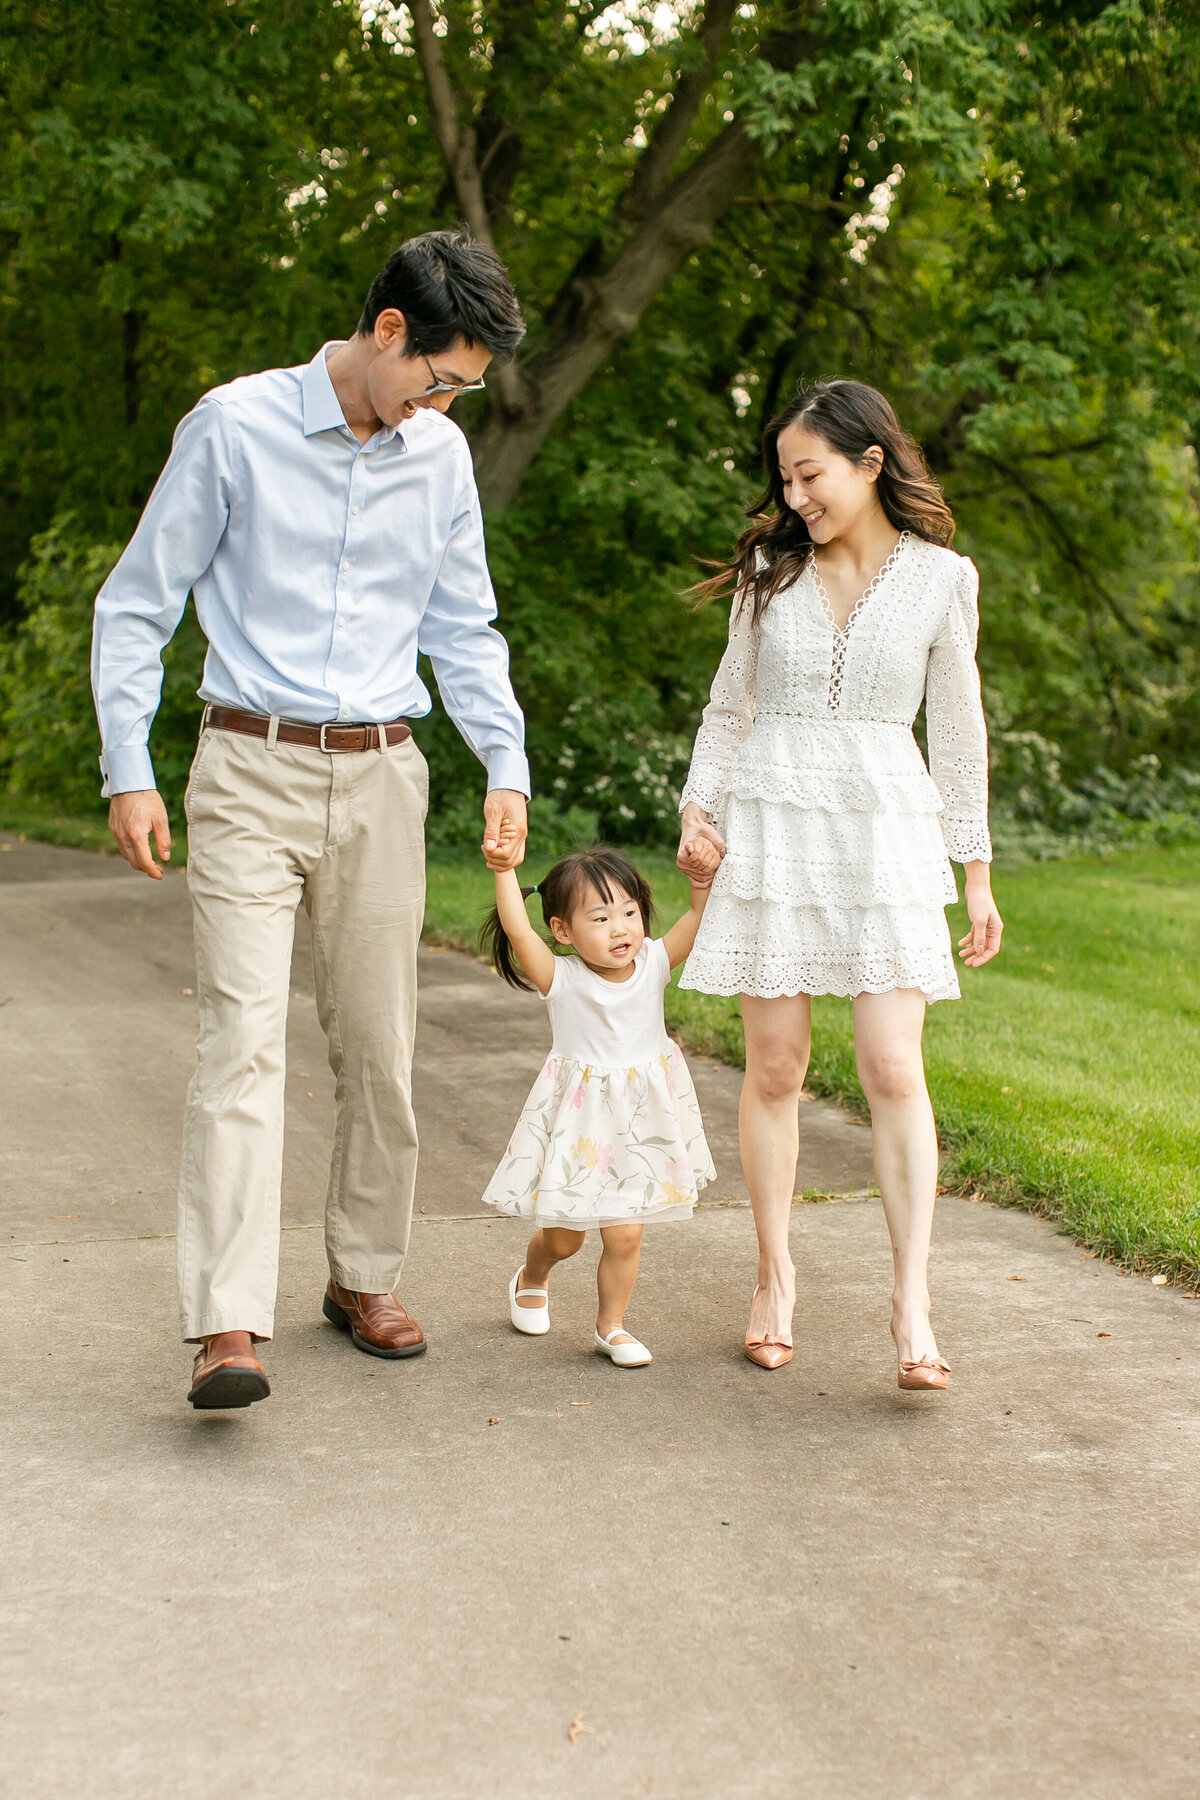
{"x": 605, "y": 1146}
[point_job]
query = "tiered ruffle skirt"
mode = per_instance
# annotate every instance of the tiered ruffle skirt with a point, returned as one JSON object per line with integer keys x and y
{"x": 836, "y": 878}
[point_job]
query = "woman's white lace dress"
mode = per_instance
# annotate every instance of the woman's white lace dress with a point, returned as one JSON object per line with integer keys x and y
{"x": 838, "y": 837}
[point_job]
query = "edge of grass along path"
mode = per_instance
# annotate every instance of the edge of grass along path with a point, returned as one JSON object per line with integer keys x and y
{"x": 1066, "y": 1081}
{"x": 51, "y": 825}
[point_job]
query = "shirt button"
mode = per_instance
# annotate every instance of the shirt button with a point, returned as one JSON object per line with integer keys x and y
{"x": 341, "y": 624}
{"x": 354, "y": 510}
{"x": 345, "y": 566}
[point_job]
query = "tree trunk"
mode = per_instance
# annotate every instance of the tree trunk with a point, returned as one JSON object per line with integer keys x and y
{"x": 604, "y": 299}
{"x": 600, "y": 312}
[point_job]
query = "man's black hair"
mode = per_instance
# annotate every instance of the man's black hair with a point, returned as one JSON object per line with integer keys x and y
{"x": 448, "y": 287}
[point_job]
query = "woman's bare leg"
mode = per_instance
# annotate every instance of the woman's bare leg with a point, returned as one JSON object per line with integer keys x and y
{"x": 778, "y": 1038}
{"x": 616, "y": 1275}
{"x": 546, "y": 1249}
{"x": 887, "y": 1042}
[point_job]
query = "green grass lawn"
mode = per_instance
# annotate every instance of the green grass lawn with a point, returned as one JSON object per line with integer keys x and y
{"x": 1066, "y": 1079}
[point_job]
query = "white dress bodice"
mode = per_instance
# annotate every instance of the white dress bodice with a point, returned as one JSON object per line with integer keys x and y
{"x": 838, "y": 836}
{"x": 610, "y": 1024}
{"x": 911, "y": 638}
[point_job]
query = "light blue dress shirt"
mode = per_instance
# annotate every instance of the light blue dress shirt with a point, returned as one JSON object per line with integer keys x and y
{"x": 320, "y": 567}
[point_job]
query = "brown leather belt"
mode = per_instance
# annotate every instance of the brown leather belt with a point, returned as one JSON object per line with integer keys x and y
{"x": 315, "y": 737}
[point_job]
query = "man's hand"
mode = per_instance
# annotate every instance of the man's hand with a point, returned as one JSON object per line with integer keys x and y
{"x": 131, "y": 819}
{"x": 505, "y": 828}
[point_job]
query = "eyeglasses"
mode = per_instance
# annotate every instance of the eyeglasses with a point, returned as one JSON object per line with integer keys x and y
{"x": 450, "y": 387}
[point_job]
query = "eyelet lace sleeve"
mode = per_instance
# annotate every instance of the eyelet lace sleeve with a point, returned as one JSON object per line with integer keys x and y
{"x": 728, "y": 716}
{"x": 956, "y": 729}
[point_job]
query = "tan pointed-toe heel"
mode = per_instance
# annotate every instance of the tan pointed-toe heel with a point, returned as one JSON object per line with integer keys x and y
{"x": 766, "y": 1352}
{"x": 930, "y": 1372}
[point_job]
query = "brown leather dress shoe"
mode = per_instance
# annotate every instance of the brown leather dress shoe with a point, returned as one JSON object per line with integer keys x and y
{"x": 377, "y": 1323}
{"x": 227, "y": 1373}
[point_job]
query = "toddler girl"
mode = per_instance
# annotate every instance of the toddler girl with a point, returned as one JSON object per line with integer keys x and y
{"x": 611, "y": 1133}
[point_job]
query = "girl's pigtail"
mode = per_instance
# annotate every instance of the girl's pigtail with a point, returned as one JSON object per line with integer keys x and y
{"x": 494, "y": 941}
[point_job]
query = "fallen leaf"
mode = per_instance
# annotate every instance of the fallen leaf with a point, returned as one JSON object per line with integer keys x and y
{"x": 64, "y": 1215}
{"x": 1104, "y": 1334}
{"x": 493, "y": 1421}
{"x": 581, "y": 1403}
{"x": 1158, "y": 1281}
{"x": 1014, "y": 1278}
{"x": 187, "y": 990}
{"x": 578, "y": 1729}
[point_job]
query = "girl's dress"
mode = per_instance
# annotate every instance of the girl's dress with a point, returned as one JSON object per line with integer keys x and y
{"x": 611, "y": 1133}
{"x": 836, "y": 873}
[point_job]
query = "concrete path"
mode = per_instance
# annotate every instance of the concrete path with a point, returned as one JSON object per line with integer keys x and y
{"x": 424, "y": 1579}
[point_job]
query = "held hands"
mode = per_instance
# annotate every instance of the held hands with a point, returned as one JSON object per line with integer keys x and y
{"x": 701, "y": 848}
{"x": 699, "y": 859}
{"x": 982, "y": 942}
{"x": 132, "y": 818}
{"x": 505, "y": 828}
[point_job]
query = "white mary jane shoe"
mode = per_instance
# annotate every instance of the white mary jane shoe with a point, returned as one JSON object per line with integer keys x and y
{"x": 534, "y": 1321}
{"x": 626, "y": 1356}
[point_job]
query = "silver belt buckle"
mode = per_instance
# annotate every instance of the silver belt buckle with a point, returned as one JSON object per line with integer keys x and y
{"x": 334, "y": 749}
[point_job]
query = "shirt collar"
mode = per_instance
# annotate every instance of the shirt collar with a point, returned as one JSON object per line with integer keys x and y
{"x": 322, "y": 408}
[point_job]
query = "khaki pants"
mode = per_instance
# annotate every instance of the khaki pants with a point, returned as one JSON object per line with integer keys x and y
{"x": 343, "y": 835}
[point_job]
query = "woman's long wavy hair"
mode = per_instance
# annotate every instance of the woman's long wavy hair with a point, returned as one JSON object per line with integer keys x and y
{"x": 775, "y": 546}
{"x": 561, "y": 890}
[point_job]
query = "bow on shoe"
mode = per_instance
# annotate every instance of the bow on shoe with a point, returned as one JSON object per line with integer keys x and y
{"x": 929, "y": 1372}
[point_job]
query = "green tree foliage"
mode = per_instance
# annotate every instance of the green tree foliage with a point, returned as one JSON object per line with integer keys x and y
{"x": 988, "y": 209}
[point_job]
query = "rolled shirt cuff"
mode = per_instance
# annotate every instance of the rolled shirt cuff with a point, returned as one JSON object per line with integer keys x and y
{"x": 509, "y": 769}
{"x": 126, "y": 770}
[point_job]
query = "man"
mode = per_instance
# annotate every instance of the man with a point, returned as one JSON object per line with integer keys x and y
{"x": 326, "y": 518}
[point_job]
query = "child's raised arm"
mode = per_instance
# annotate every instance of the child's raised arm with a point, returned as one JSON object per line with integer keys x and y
{"x": 704, "y": 859}
{"x": 531, "y": 951}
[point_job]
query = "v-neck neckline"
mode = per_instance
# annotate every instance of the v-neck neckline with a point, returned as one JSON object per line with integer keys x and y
{"x": 872, "y": 588}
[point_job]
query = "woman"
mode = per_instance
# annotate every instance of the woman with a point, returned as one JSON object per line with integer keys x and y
{"x": 849, "y": 609}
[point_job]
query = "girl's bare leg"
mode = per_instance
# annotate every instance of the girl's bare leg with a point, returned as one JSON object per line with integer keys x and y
{"x": 546, "y": 1249}
{"x": 887, "y": 1041}
{"x": 616, "y": 1275}
{"x": 778, "y": 1038}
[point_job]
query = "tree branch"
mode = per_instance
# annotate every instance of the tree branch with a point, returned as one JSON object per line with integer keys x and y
{"x": 670, "y": 134}
{"x": 603, "y": 300}
{"x": 499, "y": 127}
{"x": 1065, "y": 540}
{"x": 456, "y": 141}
